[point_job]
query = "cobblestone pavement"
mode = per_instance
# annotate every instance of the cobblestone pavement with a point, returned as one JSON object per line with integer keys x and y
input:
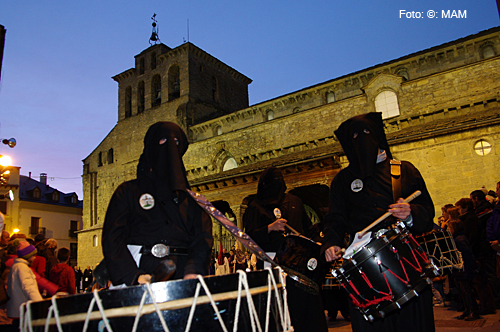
{"x": 444, "y": 321}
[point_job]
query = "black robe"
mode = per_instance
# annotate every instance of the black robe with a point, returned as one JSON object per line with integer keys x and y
{"x": 352, "y": 211}
{"x": 306, "y": 310}
{"x": 127, "y": 222}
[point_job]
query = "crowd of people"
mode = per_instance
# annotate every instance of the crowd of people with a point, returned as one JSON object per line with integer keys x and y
{"x": 474, "y": 223}
{"x": 33, "y": 269}
{"x": 223, "y": 262}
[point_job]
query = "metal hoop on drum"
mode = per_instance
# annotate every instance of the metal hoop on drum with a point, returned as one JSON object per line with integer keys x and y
{"x": 441, "y": 248}
{"x": 179, "y": 305}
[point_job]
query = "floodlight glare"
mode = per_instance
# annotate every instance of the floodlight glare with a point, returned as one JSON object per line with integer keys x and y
{"x": 5, "y": 161}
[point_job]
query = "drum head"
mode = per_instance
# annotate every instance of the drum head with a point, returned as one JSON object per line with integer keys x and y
{"x": 302, "y": 255}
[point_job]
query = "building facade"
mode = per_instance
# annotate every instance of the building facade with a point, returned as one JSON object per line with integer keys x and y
{"x": 39, "y": 208}
{"x": 440, "y": 108}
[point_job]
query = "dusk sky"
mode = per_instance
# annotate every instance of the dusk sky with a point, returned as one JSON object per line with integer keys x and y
{"x": 57, "y": 98}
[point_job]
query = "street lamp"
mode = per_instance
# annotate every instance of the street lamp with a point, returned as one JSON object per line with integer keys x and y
{"x": 9, "y": 195}
{"x": 11, "y": 142}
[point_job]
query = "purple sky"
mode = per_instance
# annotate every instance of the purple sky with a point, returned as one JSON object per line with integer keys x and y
{"x": 58, "y": 100}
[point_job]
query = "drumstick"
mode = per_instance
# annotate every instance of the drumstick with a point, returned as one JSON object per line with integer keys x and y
{"x": 387, "y": 214}
{"x": 291, "y": 228}
{"x": 277, "y": 214}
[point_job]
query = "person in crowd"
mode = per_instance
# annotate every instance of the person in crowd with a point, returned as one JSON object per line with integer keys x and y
{"x": 240, "y": 261}
{"x": 493, "y": 225}
{"x": 21, "y": 286}
{"x": 493, "y": 238}
{"x": 231, "y": 261}
{"x": 51, "y": 247}
{"x": 4, "y": 241}
{"x": 360, "y": 194}
{"x": 87, "y": 278}
{"x": 481, "y": 204}
{"x": 78, "y": 279}
{"x": 62, "y": 274}
{"x": 446, "y": 216}
{"x": 248, "y": 257}
{"x": 463, "y": 279}
{"x": 153, "y": 221}
{"x": 477, "y": 240}
{"x": 40, "y": 263}
{"x": 253, "y": 262}
{"x": 266, "y": 230}
{"x": 222, "y": 264}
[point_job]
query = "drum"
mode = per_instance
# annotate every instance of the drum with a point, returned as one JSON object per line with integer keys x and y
{"x": 440, "y": 247}
{"x": 242, "y": 301}
{"x": 386, "y": 273}
{"x": 302, "y": 255}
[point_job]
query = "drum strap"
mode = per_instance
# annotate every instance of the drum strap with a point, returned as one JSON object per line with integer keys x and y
{"x": 396, "y": 178}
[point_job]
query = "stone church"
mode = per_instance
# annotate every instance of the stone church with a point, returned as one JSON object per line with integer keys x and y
{"x": 440, "y": 108}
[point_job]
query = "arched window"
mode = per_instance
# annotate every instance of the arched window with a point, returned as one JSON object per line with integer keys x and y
{"x": 140, "y": 97}
{"x": 95, "y": 241}
{"x": 215, "y": 89}
{"x": 270, "y": 115}
{"x": 219, "y": 130}
{"x": 153, "y": 60}
{"x": 488, "y": 51}
{"x": 128, "y": 101}
{"x": 156, "y": 91}
{"x": 174, "y": 83}
{"x": 229, "y": 164}
{"x": 330, "y": 97}
{"x": 386, "y": 103}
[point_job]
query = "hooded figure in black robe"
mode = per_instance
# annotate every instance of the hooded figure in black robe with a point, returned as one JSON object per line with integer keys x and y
{"x": 259, "y": 214}
{"x": 306, "y": 310}
{"x": 154, "y": 209}
{"x": 360, "y": 194}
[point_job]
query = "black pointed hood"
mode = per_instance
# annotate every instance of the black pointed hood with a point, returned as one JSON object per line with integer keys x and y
{"x": 163, "y": 161}
{"x": 272, "y": 187}
{"x": 361, "y": 137}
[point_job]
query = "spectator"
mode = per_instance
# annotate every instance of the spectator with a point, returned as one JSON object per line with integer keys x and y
{"x": 493, "y": 226}
{"x": 240, "y": 261}
{"x": 446, "y": 216}
{"x": 62, "y": 274}
{"x": 78, "y": 278}
{"x": 463, "y": 279}
{"x": 87, "y": 278}
{"x": 51, "y": 246}
{"x": 22, "y": 284}
{"x": 472, "y": 229}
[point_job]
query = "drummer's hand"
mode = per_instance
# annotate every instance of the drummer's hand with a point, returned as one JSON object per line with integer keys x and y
{"x": 333, "y": 253}
{"x": 277, "y": 225}
{"x": 400, "y": 210}
{"x": 190, "y": 276}
{"x": 144, "y": 278}
{"x": 494, "y": 243}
